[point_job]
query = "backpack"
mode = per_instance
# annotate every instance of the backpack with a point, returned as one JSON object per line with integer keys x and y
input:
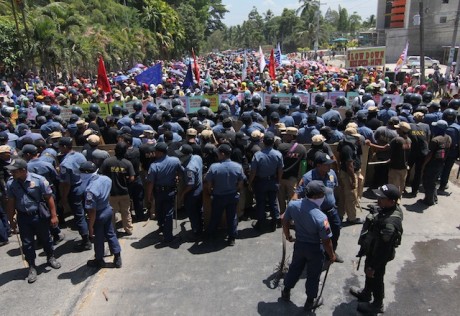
{"x": 357, "y": 151}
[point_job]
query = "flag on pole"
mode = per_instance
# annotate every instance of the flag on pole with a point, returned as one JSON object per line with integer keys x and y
{"x": 244, "y": 73}
{"x": 152, "y": 75}
{"x": 196, "y": 69}
{"x": 402, "y": 59}
{"x": 278, "y": 55}
{"x": 271, "y": 67}
{"x": 102, "y": 80}
{"x": 262, "y": 62}
{"x": 188, "y": 81}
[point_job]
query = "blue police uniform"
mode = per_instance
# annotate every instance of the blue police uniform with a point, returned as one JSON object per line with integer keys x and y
{"x": 29, "y": 221}
{"x": 139, "y": 128}
{"x": 329, "y": 206}
{"x": 224, "y": 177}
{"x": 235, "y": 106}
{"x": 319, "y": 123}
{"x": 311, "y": 226}
{"x": 251, "y": 128}
{"x": 306, "y": 134}
{"x": 46, "y": 170}
{"x": 299, "y": 116}
{"x": 124, "y": 121}
{"x": 287, "y": 120}
{"x": 96, "y": 196}
{"x": 366, "y": 132}
{"x": 330, "y": 115}
{"x": 219, "y": 128}
{"x": 266, "y": 164}
{"x": 432, "y": 117}
{"x": 49, "y": 127}
{"x": 162, "y": 173}
{"x": 12, "y": 140}
{"x": 176, "y": 138}
{"x": 193, "y": 200}
{"x": 454, "y": 132}
{"x": 49, "y": 155}
{"x": 384, "y": 115}
{"x": 70, "y": 173}
{"x": 336, "y": 137}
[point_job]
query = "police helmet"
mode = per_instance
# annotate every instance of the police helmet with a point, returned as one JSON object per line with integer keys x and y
{"x": 116, "y": 109}
{"x": 449, "y": 115}
{"x": 454, "y": 104}
{"x": 256, "y": 99}
{"x": 77, "y": 110}
{"x": 151, "y": 108}
{"x": 341, "y": 101}
{"x": 175, "y": 102}
{"x": 178, "y": 111}
{"x": 205, "y": 102}
{"x": 415, "y": 99}
{"x": 366, "y": 97}
{"x": 22, "y": 110}
{"x": 223, "y": 107}
{"x": 319, "y": 98}
{"x": 275, "y": 99}
{"x": 55, "y": 109}
{"x": 94, "y": 108}
{"x": 386, "y": 101}
{"x": 137, "y": 105}
{"x": 427, "y": 97}
{"x": 407, "y": 97}
{"x": 295, "y": 100}
{"x": 226, "y": 101}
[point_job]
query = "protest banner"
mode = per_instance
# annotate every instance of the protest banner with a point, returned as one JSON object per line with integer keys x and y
{"x": 365, "y": 57}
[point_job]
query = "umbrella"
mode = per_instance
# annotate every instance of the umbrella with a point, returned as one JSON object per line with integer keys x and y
{"x": 135, "y": 69}
{"x": 120, "y": 78}
{"x": 340, "y": 39}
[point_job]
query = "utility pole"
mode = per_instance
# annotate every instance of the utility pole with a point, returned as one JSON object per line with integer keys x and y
{"x": 422, "y": 44}
{"x": 454, "y": 42}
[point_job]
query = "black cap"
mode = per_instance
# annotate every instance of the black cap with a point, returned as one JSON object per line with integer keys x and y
{"x": 161, "y": 147}
{"x": 242, "y": 136}
{"x": 65, "y": 141}
{"x": 3, "y": 136}
{"x": 322, "y": 158}
{"x": 434, "y": 105}
{"x": 184, "y": 150}
{"x": 389, "y": 191}
{"x": 125, "y": 130}
{"x": 274, "y": 115}
{"x": 315, "y": 187}
{"x": 227, "y": 122}
{"x": 29, "y": 149}
{"x": 138, "y": 117}
{"x": 225, "y": 149}
{"x": 17, "y": 164}
{"x": 88, "y": 167}
{"x": 311, "y": 118}
{"x": 269, "y": 137}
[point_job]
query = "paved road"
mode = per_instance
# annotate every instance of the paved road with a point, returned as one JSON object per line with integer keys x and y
{"x": 198, "y": 279}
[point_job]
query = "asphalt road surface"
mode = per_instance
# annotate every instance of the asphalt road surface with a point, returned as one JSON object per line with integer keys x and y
{"x": 201, "y": 279}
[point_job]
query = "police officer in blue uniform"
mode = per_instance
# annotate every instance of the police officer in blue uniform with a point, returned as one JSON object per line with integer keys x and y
{"x": 25, "y": 191}
{"x": 453, "y": 130}
{"x": 46, "y": 170}
{"x": 224, "y": 182}
{"x": 323, "y": 172}
{"x": 192, "y": 195}
{"x": 161, "y": 181}
{"x": 265, "y": 177}
{"x": 312, "y": 237}
{"x": 71, "y": 189}
{"x": 96, "y": 196}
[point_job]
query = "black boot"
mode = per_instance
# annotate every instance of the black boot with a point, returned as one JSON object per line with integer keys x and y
{"x": 84, "y": 244}
{"x": 370, "y": 308}
{"x": 32, "y": 277}
{"x": 96, "y": 263}
{"x": 117, "y": 260}
{"x": 361, "y": 295}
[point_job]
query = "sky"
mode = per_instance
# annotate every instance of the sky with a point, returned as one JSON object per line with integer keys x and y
{"x": 239, "y": 9}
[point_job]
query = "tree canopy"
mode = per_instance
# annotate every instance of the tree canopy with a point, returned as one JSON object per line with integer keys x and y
{"x": 52, "y": 36}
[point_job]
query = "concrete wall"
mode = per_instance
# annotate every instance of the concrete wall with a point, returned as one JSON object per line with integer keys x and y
{"x": 436, "y": 34}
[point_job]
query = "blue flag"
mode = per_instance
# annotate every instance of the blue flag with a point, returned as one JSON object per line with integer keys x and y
{"x": 151, "y": 75}
{"x": 188, "y": 81}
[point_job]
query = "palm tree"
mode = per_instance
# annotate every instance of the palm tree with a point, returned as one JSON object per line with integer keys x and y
{"x": 307, "y": 6}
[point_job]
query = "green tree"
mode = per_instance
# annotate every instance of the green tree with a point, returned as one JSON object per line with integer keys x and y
{"x": 342, "y": 22}
{"x": 11, "y": 53}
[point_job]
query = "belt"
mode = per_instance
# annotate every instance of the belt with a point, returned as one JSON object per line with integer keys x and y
{"x": 329, "y": 210}
{"x": 31, "y": 213}
{"x": 265, "y": 178}
{"x": 163, "y": 188}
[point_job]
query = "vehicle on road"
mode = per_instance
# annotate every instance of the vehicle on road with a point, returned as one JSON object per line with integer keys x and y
{"x": 414, "y": 61}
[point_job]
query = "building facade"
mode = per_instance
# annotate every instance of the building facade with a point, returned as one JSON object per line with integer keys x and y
{"x": 397, "y": 20}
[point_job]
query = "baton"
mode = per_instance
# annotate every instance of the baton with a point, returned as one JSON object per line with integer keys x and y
{"x": 322, "y": 287}
{"x": 26, "y": 264}
{"x": 359, "y": 263}
{"x": 175, "y": 211}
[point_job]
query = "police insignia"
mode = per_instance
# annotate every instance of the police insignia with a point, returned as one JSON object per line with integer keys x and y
{"x": 46, "y": 183}
{"x": 63, "y": 170}
{"x": 89, "y": 196}
{"x": 189, "y": 174}
{"x": 331, "y": 178}
{"x": 32, "y": 184}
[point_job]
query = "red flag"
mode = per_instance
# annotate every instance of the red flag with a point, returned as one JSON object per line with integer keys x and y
{"x": 196, "y": 69}
{"x": 102, "y": 80}
{"x": 271, "y": 67}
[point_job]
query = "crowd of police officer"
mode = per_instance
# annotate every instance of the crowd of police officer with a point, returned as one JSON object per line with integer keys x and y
{"x": 245, "y": 159}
